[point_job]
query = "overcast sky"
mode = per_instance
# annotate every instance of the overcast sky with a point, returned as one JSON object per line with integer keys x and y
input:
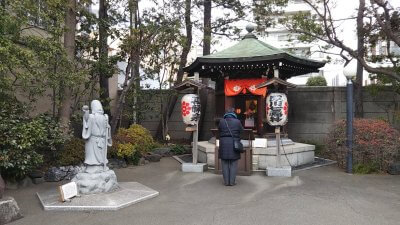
{"x": 343, "y": 9}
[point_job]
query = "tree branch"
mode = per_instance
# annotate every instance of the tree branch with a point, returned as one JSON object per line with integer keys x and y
{"x": 387, "y": 28}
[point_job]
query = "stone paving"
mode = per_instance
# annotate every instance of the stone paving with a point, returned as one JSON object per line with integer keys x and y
{"x": 324, "y": 195}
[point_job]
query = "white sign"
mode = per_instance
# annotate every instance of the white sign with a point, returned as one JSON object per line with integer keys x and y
{"x": 68, "y": 191}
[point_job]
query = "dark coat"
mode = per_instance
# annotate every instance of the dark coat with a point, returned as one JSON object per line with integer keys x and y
{"x": 226, "y": 141}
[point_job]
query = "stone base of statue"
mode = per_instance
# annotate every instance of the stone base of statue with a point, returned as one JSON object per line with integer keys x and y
{"x": 96, "y": 179}
{"x": 128, "y": 194}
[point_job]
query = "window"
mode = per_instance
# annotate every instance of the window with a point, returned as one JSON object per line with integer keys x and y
{"x": 382, "y": 48}
{"x": 394, "y": 49}
{"x": 305, "y": 52}
{"x": 297, "y": 1}
{"x": 287, "y": 37}
{"x": 283, "y": 37}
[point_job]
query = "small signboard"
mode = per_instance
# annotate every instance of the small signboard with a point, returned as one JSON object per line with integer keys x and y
{"x": 68, "y": 191}
{"x": 191, "y": 128}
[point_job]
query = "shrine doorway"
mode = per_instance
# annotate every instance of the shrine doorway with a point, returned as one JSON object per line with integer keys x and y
{"x": 250, "y": 110}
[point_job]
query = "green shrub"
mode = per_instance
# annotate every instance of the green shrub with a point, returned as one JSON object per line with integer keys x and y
{"x": 178, "y": 149}
{"x": 132, "y": 143}
{"x": 375, "y": 144}
{"x": 52, "y": 140}
{"x": 73, "y": 152}
{"x": 128, "y": 152}
{"x": 316, "y": 81}
{"x": 17, "y": 141}
{"x": 366, "y": 168}
{"x": 24, "y": 140}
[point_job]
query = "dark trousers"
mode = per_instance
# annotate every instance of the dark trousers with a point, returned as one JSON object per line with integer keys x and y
{"x": 229, "y": 170}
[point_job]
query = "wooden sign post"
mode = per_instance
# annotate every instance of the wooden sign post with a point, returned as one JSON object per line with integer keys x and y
{"x": 278, "y": 146}
{"x": 195, "y": 134}
{"x": 191, "y": 117}
{"x": 277, "y": 110}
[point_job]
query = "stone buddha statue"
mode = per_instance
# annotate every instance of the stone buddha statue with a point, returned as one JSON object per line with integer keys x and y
{"x": 96, "y": 177}
{"x": 97, "y": 134}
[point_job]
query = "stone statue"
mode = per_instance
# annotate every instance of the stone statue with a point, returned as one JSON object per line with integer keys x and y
{"x": 96, "y": 177}
{"x": 97, "y": 133}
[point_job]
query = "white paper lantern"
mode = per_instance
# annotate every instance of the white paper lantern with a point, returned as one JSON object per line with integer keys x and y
{"x": 190, "y": 106}
{"x": 277, "y": 109}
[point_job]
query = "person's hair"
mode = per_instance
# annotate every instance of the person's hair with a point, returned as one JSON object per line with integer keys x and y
{"x": 230, "y": 110}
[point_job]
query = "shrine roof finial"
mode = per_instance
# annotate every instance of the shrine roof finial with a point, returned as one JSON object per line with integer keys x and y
{"x": 250, "y": 27}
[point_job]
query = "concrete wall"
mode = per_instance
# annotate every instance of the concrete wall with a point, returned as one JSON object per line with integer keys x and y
{"x": 44, "y": 103}
{"x": 175, "y": 124}
{"x": 312, "y": 111}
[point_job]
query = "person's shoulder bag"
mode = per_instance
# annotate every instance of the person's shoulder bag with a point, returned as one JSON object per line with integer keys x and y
{"x": 237, "y": 145}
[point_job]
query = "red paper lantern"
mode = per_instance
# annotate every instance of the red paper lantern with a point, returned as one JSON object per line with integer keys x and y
{"x": 190, "y": 108}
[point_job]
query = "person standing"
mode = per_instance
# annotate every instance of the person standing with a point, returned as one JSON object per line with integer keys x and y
{"x": 229, "y": 129}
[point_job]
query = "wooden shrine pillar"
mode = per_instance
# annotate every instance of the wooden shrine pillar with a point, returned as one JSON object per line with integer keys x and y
{"x": 260, "y": 114}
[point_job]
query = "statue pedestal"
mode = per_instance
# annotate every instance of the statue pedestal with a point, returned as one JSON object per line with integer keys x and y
{"x": 128, "y": 194}
{"x": 96, "y": 180}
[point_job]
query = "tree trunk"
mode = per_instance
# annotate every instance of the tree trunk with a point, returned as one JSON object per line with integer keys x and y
{"x": 206, "y": 51}
{"x": 115, "y": 120}
{"x": 103, "y": 57}
{"x": 360, "y": 51}
{"x": 183, "y": 60}
{"x": 64, "y": 112}
{"x": 135, "y": 56}
{"x": 207, "y": 28}
{"x": 131, "y": 69}
{"x": 188, "y": 42}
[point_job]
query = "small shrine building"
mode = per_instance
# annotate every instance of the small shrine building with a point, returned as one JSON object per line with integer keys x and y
{"x": 239, "y": 70}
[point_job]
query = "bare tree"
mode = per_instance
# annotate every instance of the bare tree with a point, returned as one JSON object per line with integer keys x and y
{"x": 358, "y": 92}
{"x": 323, "y": 27}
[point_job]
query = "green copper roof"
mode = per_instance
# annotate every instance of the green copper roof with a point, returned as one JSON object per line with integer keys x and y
{"x": 248, "y": 47}
{"x": 252, "y": 52}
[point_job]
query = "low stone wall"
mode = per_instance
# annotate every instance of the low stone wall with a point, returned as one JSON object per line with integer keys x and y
{"x": 312, "y": 112}
{"x": 292, "y": 155}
